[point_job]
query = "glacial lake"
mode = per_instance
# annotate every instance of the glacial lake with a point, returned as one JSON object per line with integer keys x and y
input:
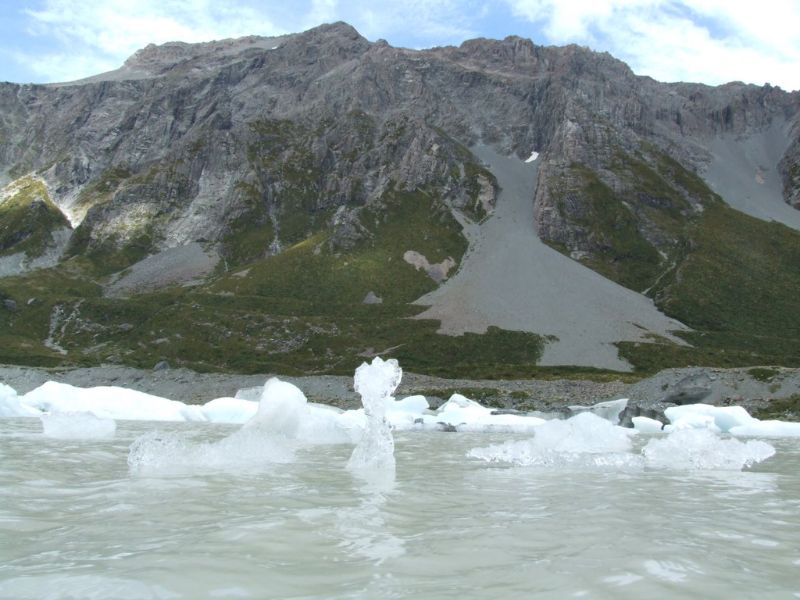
{"x": 76, "y": 521}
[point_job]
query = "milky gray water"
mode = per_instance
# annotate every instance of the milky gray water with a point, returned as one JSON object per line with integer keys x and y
{"x": 76, "y": 523}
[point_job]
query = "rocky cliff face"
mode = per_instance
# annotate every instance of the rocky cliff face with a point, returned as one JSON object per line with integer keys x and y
{"x": 186, "y": 143}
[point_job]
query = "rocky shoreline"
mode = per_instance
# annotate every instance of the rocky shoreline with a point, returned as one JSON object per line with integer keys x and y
{"x": 753, "y": 388}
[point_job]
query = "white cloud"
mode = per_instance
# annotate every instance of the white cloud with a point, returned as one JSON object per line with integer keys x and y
{"x": 55, "y": 66}
{"x": 424, "y": 22}
{"x": 101, "y": 35}
{"x": 713, "y": 41}
{"x": 322, "y": 11}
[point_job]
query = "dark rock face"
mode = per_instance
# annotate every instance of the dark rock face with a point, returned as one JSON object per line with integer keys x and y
{"x": 195, "y": 142}
{"x": 691, "y": 395}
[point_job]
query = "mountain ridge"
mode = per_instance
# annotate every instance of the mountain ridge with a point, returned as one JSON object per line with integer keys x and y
{"x": 256, "y": 147}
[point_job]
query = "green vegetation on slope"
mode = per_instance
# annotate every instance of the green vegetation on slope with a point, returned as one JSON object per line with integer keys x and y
{"x": 623, "y": 254}
{"x": 737, "y": 286}
{"x": 733, "y": 279}
{"x": 27, "y": 219}
{"x": 308, "y": 271}
{"x": 297, "y": 312}
{"x": 784, "y": 409}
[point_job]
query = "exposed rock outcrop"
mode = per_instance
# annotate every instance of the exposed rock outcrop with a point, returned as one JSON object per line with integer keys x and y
{"x": 193, "y": 142}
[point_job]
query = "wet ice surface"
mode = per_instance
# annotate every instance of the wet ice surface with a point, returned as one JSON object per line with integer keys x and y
{"x": 590, "y": 442}
{"x": 75, "y": 521}
{"x": 374, "y": 452}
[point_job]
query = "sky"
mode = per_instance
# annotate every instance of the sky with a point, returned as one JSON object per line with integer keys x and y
{"x": 708, "y": 41}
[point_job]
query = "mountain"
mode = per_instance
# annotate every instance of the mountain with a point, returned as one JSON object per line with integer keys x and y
{"x": 291, "y": 203}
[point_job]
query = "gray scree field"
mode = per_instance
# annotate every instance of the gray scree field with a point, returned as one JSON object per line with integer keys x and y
{"x": 511, "y": 279}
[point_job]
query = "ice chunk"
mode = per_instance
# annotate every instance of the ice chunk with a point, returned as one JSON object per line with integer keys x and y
{"x": 375, "y": 383}
{"x": 723, "y": 417}
{"x": 284, "y": 412}
{"x": 109, "y": 402}
{"x": 502, "y": 424}
{"x": 702, "y": 449}
{"x": 462, "y": 414}
{"x": 647, "y": 425}
{"x": 250, "y": 393}
{"x": 460, "y": 410}
{"x": 404, "y": 414}
{"x": 772, "y": 429}
{"x": 229, "y": 410}
{"x": 584, "y": 440}
{"x": 77, "y": 426}
{"x": 609, "y": 410}
{"x": 324, "y": 425}
{"x": 693, "y": 421}
{"x": 414, "y": 405}
{"x": 10, "y": 405}
{"x": 534, "y": 155}
{"x": 280, "y": 410}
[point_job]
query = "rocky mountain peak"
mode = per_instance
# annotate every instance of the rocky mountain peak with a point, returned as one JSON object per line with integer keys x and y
{"x": 156, "y": 59}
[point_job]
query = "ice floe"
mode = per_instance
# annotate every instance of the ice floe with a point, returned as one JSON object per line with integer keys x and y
{"x": 109, "y": 402}
{"x": 647, "y": 425}
{"x": 589, "y": 442}
{"x": 734, "y": 420}
{"x": 584, "y": 440}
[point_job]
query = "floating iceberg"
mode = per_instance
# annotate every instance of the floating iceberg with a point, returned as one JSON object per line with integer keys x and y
{"x": 375, "y": 383}
{"x": 584, "y": 440}
{"x": 534, "y": 155}
{"x": 701, "y": 416}
{"x": 109, "y": 402}
{"x": 11, "y": 406}
{"x": 647, "y": 425}
{"x": 460, "y": 413}
{"x": 589, "y": 442}
{"x": 702, "y": 449}
{"x": 770, "y": 429}
{"x": 229, "y": 410}
{"x": 610, "y": 410}
{"x": 285, "y": 412}
{"x": 734, "y": 420}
